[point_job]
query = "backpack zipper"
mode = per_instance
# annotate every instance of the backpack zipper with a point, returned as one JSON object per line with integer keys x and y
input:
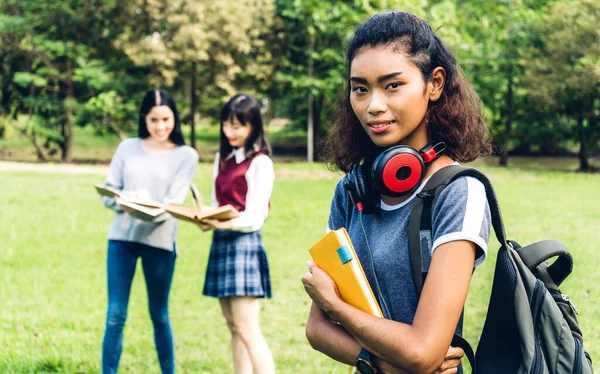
{"x": 557, "y": 296}
{"x": 570, "y": 302}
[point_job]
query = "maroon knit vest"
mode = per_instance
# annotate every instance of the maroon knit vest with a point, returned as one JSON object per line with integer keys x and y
{"x": 231, "y": 186}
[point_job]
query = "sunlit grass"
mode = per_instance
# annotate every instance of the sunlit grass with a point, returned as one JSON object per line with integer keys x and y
{"x": 52, "y": 269}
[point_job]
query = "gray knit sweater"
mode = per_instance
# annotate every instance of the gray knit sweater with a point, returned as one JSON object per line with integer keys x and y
{"x": 165, "y": 177}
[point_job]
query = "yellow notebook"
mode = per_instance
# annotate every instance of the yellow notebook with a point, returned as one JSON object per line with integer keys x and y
{"x": 335, "y": 254}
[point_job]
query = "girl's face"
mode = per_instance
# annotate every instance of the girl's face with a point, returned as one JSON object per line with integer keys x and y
{"x": 160, "y": 122}
{"x": 236, "y": 132}
{"x": 390, "y": 97}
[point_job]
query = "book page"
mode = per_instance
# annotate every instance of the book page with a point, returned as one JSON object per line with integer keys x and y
{"x": 182, "y": 212}
{"x": 190, "y": 214}
{"x": 145, "y": 212}
{"x": 107, "y": 191}
{"x": 221, "y": 213}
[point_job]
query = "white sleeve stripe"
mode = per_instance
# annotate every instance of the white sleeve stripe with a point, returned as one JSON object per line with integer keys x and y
{"x": 475, "y": 207}
{"x": 478, "y": 240}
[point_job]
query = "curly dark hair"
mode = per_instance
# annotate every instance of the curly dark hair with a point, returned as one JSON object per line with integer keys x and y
{"x": 456, "y": 118}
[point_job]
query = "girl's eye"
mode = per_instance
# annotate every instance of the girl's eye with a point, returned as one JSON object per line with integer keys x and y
{"x": 359, "y": 89}
{"x": 394, "y": 85}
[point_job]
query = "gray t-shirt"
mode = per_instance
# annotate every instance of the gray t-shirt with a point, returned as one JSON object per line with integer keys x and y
{"x": 165, "y": 176}
{"x": 461, "y": 213}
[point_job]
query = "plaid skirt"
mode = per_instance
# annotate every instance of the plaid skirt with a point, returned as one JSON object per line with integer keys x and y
{"x": 237, "y": 266}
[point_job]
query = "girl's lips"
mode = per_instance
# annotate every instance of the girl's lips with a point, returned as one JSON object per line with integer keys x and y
{"x": 379, "y": 127}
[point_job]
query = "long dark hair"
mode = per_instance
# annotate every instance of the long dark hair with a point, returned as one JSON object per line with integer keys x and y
{"x": 246, "y": 110}
{"x": 456, "y": 118}
{"x": 156, "y": 98}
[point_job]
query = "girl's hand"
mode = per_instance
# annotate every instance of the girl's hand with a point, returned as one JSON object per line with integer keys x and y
{"x": 126, "y": 209}
{"x": 215, "y": 224}
{"x": 321, "y": 288}
{"x": 449, "y": 366}
{"x": 204, "y": 226}
{"x": 451, "y": 361}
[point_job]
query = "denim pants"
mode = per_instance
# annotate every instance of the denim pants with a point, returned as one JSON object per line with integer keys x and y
{"x": 158, "y": 266}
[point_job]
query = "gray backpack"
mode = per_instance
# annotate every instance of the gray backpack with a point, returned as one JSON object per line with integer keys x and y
{"x": 530, "y": 325}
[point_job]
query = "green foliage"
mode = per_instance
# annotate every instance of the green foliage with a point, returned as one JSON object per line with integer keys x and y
{"x": 78, "y": 62}
{"x": 563, "y": 68}
{"x": 110, "y": 112}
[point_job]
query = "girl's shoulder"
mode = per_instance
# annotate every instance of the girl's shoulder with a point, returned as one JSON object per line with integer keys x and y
{"x": 262, "y": 157}
{"x": 262, "y": 161}
{"x": 128, "y": 145}
{"x": 466, "y": 192}
{"x": 340, "y": 194}
{"x": 130, "y": 142}
{"x": 188, "y": 151}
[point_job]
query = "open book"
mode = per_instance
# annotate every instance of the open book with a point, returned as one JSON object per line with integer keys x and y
{"x": 186, "y": 213}
{"x": 335, "y": 254}
{"x": 149, "y": 210}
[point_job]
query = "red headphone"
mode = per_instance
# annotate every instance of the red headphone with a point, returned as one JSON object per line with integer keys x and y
{"x": 397, "y": 171}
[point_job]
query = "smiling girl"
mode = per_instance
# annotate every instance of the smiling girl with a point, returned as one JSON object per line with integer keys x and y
{"x": 154, "y": 166}
{"x": 405, "y": 95}
{"x": 238, "y": 270}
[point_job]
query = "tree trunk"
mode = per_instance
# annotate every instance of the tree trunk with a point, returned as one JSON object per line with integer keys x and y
{"x": 194, "y": 106}
{"x": 509, "y": 90}
{"x": 318, "y": 131}
{"x": 67, "y": 126}
{"x": 509, "y": 118}
{"x": 39, "y": 151}
{"x": 584, "y": 164}
{"x": 310, "y": 126}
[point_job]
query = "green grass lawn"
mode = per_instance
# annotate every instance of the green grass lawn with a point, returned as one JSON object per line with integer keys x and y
{"x": 52, "y": 270}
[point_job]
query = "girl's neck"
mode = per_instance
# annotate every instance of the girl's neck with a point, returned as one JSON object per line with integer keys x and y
{"x": 151, "y": 145}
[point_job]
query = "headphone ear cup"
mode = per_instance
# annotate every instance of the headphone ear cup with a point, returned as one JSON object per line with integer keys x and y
{"x": 398, "y": 171}
{"x": 359, "y": 187}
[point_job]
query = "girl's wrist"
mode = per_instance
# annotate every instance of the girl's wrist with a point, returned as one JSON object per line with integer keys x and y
{"x": 335, "y": 309}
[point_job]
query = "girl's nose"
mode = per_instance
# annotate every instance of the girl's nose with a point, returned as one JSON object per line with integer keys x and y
{"x": 376, "y": 104}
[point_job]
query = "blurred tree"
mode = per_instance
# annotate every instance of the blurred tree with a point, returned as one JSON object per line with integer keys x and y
{"x": 487, "y": 38}
{"x": 200, "y": 45}
{"x": 563, "y": 70}
{"x": 62, "y": 48}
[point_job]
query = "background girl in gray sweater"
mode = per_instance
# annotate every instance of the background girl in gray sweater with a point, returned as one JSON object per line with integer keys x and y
{"x": 158, "y": 166}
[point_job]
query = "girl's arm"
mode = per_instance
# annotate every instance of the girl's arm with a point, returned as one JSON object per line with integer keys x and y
{"x": 213, "y": 195}
{"x": 330, "y": 338}
{"x": 114, "y": 179}
{"x": 179, "y": 187}
{"x": 419, "y": 347}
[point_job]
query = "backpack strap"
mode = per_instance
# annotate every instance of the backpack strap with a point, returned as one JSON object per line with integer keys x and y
{"x": 537, "y": 253}
{"x": 420, "y": 225}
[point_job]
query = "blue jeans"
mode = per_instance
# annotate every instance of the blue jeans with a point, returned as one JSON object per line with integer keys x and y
{"x": 158, "y": 265}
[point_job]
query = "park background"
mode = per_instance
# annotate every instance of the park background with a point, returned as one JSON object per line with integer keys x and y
{"x": 72, "y": 75}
